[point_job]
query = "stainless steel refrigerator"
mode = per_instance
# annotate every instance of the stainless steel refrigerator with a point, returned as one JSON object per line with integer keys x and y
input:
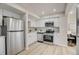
{"x": 14, "y": 32}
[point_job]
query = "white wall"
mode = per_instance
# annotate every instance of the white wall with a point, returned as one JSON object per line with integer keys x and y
{"x": 62, "y": 40}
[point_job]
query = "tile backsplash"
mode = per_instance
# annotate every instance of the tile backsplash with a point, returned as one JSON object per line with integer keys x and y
{"x": 39, "y": 29}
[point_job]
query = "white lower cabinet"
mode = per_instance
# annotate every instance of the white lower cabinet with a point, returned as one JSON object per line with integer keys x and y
{"x": 2, "y": 45}
{"x": 77, "y": 47}
{"x": 40, "y": 37}
{"x": 32, "y": 37}
{"x": 32, "y": 23}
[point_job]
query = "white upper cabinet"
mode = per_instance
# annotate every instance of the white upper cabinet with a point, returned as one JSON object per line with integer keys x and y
{"x": 56, "y": 22}
{"x": 10, "y": 14}
{"x": 32, "y": 23}
{"x": 40, "y": 23}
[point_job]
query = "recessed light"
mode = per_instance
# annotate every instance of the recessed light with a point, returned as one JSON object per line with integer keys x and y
{"x": 70, "y": 12}
{"x": 54, "y": 10}
{"x": 43, "y": 12}
{"x": 78, "y": 5}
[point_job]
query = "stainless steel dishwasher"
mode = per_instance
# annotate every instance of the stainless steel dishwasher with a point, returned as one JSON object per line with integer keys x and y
{"x": 40, "y": 36}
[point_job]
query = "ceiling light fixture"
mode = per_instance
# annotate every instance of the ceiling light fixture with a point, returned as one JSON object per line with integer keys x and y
{"x": 78, "y": 5}
{"x": 54, "y": 10}
{"x": 70, "y": 12}
{"x": 43, "y": 12}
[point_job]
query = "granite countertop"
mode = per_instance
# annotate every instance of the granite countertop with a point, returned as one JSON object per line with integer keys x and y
{"x": 40, "y": 32}
{"x": 44, "y": 33}
{"x": 48, "y": 33}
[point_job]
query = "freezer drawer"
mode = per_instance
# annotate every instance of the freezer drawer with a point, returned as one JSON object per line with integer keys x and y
{"x": 40, "y": 37}
{"x": 19, "y": 41}
{"x": 15, "y": 42}
{"x": 11, "y": 43}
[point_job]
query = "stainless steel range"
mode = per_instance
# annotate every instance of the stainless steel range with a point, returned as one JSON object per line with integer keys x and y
{"x": 48, "y": 35}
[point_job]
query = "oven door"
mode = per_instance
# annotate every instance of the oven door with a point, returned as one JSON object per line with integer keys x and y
{"x": 48, "y": 38}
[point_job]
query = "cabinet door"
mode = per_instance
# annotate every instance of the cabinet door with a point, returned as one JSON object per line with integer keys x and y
{"x": 28, "y": 41}
{"x": 56, "y": 22}
{"x": 77, "y": 45}
{"x": 2, "y": 45}
{"x": 32, "y": 37}
{"x": 40, "y": 23}
{"x": 32, "y": 23}
{"x": 37, "y": 24}
{"x": 39, "y": 37}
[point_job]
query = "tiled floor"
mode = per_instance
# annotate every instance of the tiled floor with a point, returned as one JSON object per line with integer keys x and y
{"x": 48, "y": 49}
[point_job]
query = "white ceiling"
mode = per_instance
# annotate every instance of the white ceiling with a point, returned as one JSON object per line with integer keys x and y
{"x": 46, "y": 8}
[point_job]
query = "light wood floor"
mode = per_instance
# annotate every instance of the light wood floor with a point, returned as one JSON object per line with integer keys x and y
{"x": 48, "y": 49}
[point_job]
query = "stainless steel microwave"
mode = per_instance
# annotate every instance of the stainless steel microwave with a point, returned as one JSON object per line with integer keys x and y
{"x": 49, "y": 24}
